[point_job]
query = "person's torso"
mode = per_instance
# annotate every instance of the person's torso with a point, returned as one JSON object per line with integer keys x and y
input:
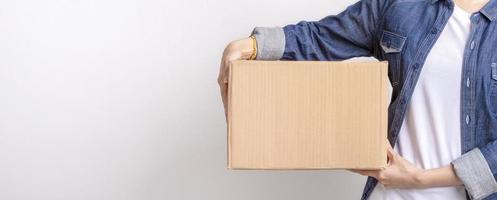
{"x": 430, "y": 136}
{"x": 406, "y": 35}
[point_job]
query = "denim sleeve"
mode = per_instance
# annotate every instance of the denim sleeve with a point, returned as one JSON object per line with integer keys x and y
{"x": 336, "y": 37}
{"x": 477, "y": 170}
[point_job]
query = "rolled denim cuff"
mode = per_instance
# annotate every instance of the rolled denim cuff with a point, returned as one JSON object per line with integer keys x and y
{"x": 270, "y": 42}
{"x": 474, "y": 172}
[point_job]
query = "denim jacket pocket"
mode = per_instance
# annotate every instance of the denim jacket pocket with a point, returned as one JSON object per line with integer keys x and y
{"x": 493, "y": 88}
{"x": 392, "y": 42}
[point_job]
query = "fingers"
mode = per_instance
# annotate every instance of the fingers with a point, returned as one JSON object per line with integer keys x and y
{"x": 223, "y": 85}
{"x": 229, "y": 54}
{"x": 224, "y": 96}
{"x": 225, "y": 72}
{"x": 390, "y": 155}
{"x": 225, "y": 67}
{"x": 388, "y": 143}
{"x": 390, "y": 152}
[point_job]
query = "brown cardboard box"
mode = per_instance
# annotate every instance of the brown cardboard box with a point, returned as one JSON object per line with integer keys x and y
{"x": 307, "y": 115}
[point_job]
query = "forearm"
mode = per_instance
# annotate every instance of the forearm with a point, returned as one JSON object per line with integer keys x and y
{"x": 351, "y": 33}
{"x": 439, "y": 177}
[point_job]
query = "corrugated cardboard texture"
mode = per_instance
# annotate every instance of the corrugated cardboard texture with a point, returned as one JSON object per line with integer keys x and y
{"x": 307, "y": 115}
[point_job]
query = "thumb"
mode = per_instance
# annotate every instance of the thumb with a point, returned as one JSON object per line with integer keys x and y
{"x": 390, "y": 154}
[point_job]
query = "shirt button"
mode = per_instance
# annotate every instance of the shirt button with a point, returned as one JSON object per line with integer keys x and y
{"x": 402, "y": 101}
{"x": 434, "y": 30}
{"x": 467, "y": 119}
{"x": 416, "y": 66}
{"x": 472, "y": 45}
{"x": 467, "y": 82}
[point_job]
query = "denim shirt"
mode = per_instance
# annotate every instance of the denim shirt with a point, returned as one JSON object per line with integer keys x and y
{"x": 403, "y": 32}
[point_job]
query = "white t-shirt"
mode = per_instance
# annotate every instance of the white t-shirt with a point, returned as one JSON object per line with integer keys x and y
{"x": 430, "y": 133}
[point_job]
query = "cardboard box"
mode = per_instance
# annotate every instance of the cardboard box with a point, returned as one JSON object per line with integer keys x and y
{"x": 307, "y": 115}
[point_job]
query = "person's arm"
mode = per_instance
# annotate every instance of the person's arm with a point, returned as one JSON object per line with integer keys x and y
{"x": 352, "y": 33}
{"x": 439, "y": 177}
{"x": 400, "y": 173}
{"x": 474, "y": 169}
{"x": 336, "y": 37}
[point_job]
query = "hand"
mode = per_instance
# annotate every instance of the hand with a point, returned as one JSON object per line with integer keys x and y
{"x": 399, "y": 173}
{"x": 236, "y": 50}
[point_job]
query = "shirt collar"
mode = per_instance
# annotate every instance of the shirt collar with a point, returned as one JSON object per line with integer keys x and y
{"x": 489, "y": 10}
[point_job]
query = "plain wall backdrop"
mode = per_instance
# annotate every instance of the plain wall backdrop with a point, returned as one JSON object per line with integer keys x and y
{"x": 118, "y": 100}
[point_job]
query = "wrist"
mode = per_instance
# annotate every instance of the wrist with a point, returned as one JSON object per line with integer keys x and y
{"x": 245, "y": 47}
{"x": 421, "y": 178}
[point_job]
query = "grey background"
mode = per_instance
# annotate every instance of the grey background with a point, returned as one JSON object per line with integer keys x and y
{"x": 118, "y": 100}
